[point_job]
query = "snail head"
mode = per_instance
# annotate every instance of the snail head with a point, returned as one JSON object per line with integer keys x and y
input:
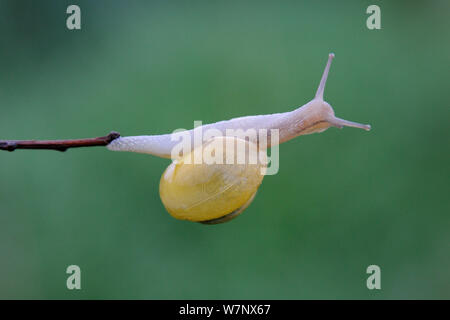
{"x": 318, "y": 115}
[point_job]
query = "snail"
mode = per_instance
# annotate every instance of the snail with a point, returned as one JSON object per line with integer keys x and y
{"x": 212, "y": 193}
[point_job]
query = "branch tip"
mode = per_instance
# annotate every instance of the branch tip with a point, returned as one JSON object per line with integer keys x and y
{"x": 58, "y": 145}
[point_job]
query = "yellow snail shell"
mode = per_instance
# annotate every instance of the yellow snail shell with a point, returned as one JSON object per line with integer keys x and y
{"x": 216, "y": 192}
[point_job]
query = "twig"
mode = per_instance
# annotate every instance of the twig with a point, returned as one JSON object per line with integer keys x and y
{"x": 58, "y": 145}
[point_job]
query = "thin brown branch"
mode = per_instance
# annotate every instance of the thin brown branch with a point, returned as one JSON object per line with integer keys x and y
{"x": 58, "y": 145}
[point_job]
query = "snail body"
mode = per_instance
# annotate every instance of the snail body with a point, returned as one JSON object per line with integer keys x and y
{"x": 214, "y": 193}
{"x": 315, "y": 116}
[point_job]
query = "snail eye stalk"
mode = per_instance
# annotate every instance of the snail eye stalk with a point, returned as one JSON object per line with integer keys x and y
{"x": 323, "y": 81}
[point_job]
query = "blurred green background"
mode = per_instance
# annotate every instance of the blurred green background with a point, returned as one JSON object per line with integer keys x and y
{"x": 342, "y": 200}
